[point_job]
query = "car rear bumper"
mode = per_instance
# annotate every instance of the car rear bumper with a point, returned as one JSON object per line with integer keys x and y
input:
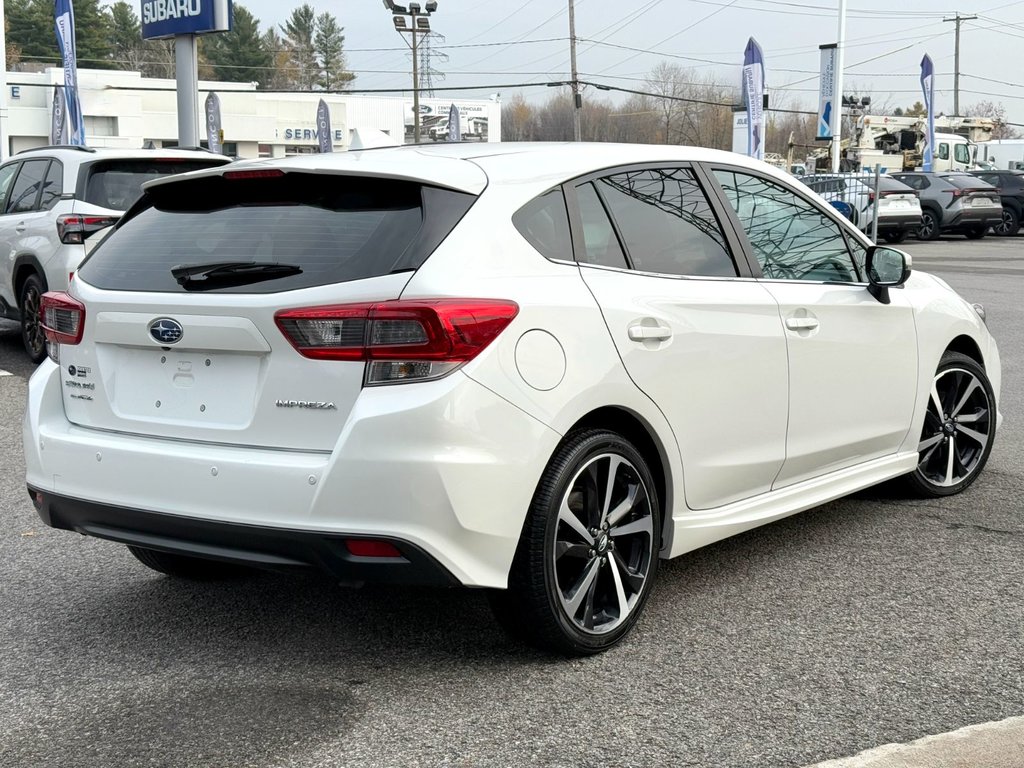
{"x": 968, "y": 217}
{"x": 257, "y": 546}
{"x": 899, "y": 222}
{"x": 446, "y": 467}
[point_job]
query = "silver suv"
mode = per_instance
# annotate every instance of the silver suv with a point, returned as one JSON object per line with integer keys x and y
{"x": 51, "y": 200}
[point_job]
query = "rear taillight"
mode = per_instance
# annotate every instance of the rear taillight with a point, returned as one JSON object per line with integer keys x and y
{"x": 404, "y": 340}
{"x": 74, "y": 229}
{"x": 63, "y": 321}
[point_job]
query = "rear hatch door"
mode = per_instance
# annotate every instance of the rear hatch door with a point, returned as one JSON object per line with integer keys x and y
{"x": 181, "y": 338}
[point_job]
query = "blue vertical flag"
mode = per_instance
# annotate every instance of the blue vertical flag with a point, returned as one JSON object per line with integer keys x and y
{"x": 64, "y": 19}
{"x": 928, "y": 86}
{"x": 324, "y": 136}
{"x": 454, "y": 126}
{"x": 753, "y": 93}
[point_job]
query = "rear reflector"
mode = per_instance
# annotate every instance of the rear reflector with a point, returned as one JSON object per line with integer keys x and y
{"x": 404, "y": 340}
{"x": 372, "y": 548}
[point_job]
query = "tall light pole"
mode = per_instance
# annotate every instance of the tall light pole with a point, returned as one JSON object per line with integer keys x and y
{"x": 837, "y": 94}
{"x": 419, "y": 24}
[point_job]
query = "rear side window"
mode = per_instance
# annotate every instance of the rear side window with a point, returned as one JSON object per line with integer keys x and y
{"x": 53, "y": 187}
{"x": 27, "y": 186}
{"x": 331, "y": 228}
{"x": 544, "y": 223}
{"x": 116, "y": 184}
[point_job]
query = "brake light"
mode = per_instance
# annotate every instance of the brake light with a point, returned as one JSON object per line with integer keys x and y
{"x": 956, "y": 192}
{"x": 402, "y": 340}
{"x": 263, "y": 173}
{"x": 63, "y": 321}
{"x": 74, "y": 229}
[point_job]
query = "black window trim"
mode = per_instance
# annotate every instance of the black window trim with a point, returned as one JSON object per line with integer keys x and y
{"x": 737, "y": 254}
{"x": 748, "y": 250}
{"x": 61, "y": 194}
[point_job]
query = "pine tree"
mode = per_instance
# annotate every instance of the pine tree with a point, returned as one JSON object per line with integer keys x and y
{"x": 32, "y": 29}
{"x": 240, "y": 55}
{"x": 329, "y": 44}
{"x": 299, "y": 33}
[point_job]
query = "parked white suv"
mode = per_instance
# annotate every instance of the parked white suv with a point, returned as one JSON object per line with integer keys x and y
{"x": 51, "y": 200}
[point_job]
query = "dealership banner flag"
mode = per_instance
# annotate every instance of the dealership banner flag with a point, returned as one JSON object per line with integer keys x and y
{"x": 753, "y": 93}
{"x": 324, "y": 135}
{"x": 826, "y": 112}
{"x": 454, "y": 126}
{"x": 928, "y": 86}
{"x": 214, "y": 134}
{"x": 64, "y": 21}
{"x": 59, "y": 117}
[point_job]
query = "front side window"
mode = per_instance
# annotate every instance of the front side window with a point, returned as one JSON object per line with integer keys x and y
{"x": 960, "y": 153}
{"x": 790, "y": 237}
{"x": 666, "y": 223}
{"x": 544, "y": 223}
{"x": 943, "y": 151}
{"x": 7, "y": 174}
{"x": 25, "y": 194}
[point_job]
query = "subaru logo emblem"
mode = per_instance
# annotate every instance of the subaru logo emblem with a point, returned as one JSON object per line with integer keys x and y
{"x": 166, "y": 331}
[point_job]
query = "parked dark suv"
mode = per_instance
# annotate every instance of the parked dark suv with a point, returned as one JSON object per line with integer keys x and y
{"x": 1011, "y": 190}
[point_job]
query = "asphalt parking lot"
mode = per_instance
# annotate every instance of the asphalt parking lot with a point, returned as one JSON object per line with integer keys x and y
{"x": 873, "y": 619}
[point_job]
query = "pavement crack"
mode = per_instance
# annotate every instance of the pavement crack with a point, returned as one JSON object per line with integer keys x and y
{"x": 970, "y": 526}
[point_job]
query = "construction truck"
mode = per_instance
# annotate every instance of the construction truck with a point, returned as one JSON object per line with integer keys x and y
{"x": 897, "y": 143}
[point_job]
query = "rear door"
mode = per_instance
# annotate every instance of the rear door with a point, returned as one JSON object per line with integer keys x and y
{"x": 201, "y": 356}
{"x": 701, "y": 339}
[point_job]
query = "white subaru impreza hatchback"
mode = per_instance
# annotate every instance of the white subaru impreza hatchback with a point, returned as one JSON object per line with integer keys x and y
{"x": 537, "y": 369}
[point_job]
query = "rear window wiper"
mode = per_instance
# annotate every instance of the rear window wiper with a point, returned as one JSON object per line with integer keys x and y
{"x": 225, "y": 274}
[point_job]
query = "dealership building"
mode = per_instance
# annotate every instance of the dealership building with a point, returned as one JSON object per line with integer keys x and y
{"x": 126, "y": 110}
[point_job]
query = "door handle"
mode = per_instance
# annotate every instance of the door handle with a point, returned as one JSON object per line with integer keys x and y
{"x": 801, "y": 323}
{"x": 21, "y": 227}
{"x": 649, "y": 333}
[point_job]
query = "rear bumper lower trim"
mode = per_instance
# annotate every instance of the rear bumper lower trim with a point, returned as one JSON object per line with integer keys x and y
{"x": 257, "y": 546}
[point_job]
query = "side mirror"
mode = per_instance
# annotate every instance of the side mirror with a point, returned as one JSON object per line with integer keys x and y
{"x": 844, "y": 208}
{"x": 886, "y": 268}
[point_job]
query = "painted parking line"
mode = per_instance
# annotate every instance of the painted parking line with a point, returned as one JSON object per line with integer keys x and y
{"x": 5, "y": 373}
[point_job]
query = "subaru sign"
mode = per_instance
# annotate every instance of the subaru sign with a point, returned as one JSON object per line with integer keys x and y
{"x": 167, "y": 18}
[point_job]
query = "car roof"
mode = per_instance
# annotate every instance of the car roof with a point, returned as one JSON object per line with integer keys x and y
{"x": 470, "y": 167}
{"x": 88, "y": 154}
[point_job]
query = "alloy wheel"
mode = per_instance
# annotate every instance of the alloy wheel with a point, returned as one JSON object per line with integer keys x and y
{"x": 603, "y": 544}
{"x": 32, "y": 329}
{"x": 957, "y": 429}
{"x": 1008, "y": 226}
{"x": 928, "y": 226}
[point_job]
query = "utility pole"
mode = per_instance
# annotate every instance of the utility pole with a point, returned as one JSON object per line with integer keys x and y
{"x": 958, "y": 19}
{"x": 577, "y": 99}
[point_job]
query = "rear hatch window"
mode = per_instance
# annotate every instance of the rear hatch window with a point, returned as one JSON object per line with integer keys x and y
{"x": 116, "y": 184}
{"x": 278, "y": 233}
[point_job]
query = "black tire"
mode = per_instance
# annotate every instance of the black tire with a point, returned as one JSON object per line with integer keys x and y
{"x": 29, "y": 297}
{"x": 977, "y": 233}
{"x": 894, "y": 238}
{"x": 951, "y": 454}
{"x": 929, "y": 229}
{"x": 1009, "y": 226}
{"x": 554, "y": 551}
{"x": 185, "y": 567}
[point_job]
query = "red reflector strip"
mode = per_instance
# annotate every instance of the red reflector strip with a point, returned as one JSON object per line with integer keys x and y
{"x": 265, "y": 173}
{"x": 372, "y": 548}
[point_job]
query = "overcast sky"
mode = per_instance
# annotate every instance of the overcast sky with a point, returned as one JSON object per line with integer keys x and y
{"x": 526, "y": 41}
